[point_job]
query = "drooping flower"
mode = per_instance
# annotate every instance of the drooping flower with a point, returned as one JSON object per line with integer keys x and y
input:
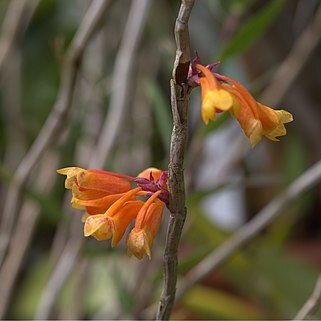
{"x": 221, "y": 93}
{"x": 112, "y": 202}
{"x": 94, "y": 190}
{"x": 114, "y": 222}
{"x": 141, "y": 238}
{"x": 256, "y": 119}
{"x": 215, "y": 98}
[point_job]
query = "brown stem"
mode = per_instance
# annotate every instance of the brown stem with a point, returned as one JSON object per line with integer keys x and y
{"x": 179, "y": 102}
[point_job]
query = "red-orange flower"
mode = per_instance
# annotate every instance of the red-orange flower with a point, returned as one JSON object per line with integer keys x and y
{"x": 141, "y": 238}
{"x": 112, "y": 203}
{"x": 256, "y": 119}
{"x": 114, "y": 222}
{"x": 220, "y": 93}
{"x": 94, "y": 190}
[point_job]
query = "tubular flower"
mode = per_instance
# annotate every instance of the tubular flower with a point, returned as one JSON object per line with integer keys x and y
{"x": 220, "y": 93}
{"x": 112, "y": 204}
{"x": 256, "y": 119}
{"x": 114, "y": 222}
{"x": 94, "y": 190}
{"x": 141, "y": 238}
{"x": 215, "y": 98}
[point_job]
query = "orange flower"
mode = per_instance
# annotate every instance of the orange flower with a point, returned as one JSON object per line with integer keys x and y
{"x": 141, "y": 238}
{"x": 115, "y": 221}
{"x": 256, "y": 119}
{"x": 221, "y": 93}
{"x": 111, "y": 204}
{"x": 94, "y": 190}
{"x": 215, "y": 98}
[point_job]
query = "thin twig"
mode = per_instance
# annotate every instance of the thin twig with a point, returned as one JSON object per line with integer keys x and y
{"x": 313, "y": 302}
{"x": 179, "y": 101}
{"x": 15, "y": 24}
{"x": 57, "y": 118}
{"x": 247, "y": 232}
{"x": 121, "y": 81}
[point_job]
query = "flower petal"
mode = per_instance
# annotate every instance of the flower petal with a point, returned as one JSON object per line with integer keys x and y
{"x": 101, "y": 181}
{"x": 123, "y": 218}
{"x": 87, "y": 194}
{"x": 141, "y": 238}
{"x": 96, "y": 206}
{"x": 99, "y": 226}
{"x": 138, "y": 243}
{"x": 71, "y": 173}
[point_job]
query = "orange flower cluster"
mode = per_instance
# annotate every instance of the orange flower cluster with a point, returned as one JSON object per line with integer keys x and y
{"x": 111, "y": 204}
{"x": 221, "y": 93}
{"x": 113, "y": 201}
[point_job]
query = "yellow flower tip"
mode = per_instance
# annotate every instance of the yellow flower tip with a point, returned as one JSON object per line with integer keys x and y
{"x": 208, "y": 108}
{"x": 99, "y": 226}
{"x": 71, "y": 173}
{"x": 65, "y": 170}
{"x": 273, "y": 121}
{"x": 224, "y": 100}
{"x": 139, "y": 243}
{"x": 217, "y": 101}
{"x": 284, "y": 116}
{"x": 76, "y": 203}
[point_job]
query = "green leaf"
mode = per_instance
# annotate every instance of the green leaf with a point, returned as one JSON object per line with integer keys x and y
{"x": 252, "y": 29}
{"x": 162, "y": 111}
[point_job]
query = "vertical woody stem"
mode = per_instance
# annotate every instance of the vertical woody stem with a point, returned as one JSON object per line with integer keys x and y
{"x": 179, "y": 102}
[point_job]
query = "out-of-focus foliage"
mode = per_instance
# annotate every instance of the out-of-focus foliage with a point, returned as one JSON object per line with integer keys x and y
{"x": 270, "y": 277}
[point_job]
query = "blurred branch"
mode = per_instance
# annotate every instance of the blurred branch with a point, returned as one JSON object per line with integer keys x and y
{"x": 23, "y": 232}
{"x": 57, "y": 118}
{"x": 15, "y": 24}
{"x": 15, "y": 136}
{"x": 121, "y": 81}
{"x": 57, "y": 279}
{"x": 312, "y": 303}
{"x": 123, "y": 72}
{"x": 302, "y": 50}
{"x": 246, "y": 233}
{"x": 179, "y": 101}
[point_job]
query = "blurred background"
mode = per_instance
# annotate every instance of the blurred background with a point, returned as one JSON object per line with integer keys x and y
{"x": 94, "y": 92}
